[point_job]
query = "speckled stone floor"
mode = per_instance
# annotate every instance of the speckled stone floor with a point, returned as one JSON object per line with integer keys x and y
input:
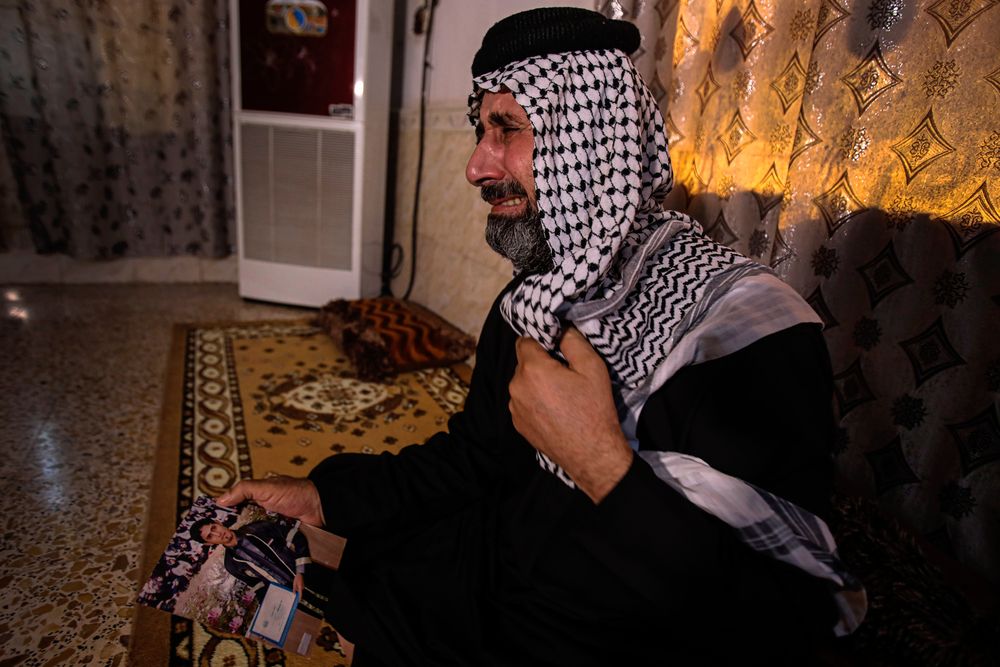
{"x": 81, "y": 375}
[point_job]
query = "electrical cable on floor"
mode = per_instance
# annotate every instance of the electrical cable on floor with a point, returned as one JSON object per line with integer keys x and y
{"x": 428, "y": 21}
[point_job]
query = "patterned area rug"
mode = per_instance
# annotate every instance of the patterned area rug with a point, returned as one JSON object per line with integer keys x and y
{"x": 250, "y": 399}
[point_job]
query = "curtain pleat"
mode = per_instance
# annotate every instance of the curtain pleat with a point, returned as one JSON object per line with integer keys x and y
{"x": 116, "y": 123}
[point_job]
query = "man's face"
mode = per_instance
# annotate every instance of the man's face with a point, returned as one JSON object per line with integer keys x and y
{"x": 216, "y": 533}
{"x": 501, "y": 166}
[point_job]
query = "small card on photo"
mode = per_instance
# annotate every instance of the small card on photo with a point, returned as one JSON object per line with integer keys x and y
{"x": 274, "y": 615}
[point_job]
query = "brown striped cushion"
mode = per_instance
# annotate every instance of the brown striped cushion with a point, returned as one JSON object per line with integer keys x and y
{"x": 384, "y": 336}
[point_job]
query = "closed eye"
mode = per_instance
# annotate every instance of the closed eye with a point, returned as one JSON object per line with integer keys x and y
{"x": 505, "y": 122}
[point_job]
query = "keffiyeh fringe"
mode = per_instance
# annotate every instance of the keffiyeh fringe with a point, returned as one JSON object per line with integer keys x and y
{"x": 767, "y": 524}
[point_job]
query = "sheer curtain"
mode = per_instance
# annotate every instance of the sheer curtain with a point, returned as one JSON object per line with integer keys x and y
{"x": 116, "y": 123}
{"x": 855, "y": 148}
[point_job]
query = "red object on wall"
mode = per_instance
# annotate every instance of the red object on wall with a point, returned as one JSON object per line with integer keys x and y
{"x": 297, "y": 73}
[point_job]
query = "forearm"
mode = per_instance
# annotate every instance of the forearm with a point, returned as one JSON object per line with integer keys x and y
{"x": 479, "y": 448}
{"x": 357, "y": 490}
{"x": 601, "y": 471}
{"x": 567, "y": 412}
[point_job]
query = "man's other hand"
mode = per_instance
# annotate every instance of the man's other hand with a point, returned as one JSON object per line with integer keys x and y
{"x": 294, "y": 497}
{"x": 568, "y": 412}
{"x": 298, "y": 584}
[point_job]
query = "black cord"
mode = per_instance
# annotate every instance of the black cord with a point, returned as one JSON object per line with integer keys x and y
{"x": 389, "y": 246}
{"x": 420, "y": 150}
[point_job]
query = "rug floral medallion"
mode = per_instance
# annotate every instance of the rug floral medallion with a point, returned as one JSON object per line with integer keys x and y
{"x": 277, "y": 398}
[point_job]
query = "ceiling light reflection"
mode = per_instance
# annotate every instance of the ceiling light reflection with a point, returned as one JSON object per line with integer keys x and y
{"x": 18, "y": 313}
{"x": 49, "y": 461}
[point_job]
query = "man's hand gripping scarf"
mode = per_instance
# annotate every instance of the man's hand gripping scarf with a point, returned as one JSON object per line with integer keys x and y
{"x": 649, "y": 291}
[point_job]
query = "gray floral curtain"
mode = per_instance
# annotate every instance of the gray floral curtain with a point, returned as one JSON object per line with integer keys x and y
{"x": 116, "y": 124}
{"x": 854, "y": 146}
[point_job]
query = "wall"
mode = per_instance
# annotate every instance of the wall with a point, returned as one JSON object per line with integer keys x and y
{"x": 457, "y": 274}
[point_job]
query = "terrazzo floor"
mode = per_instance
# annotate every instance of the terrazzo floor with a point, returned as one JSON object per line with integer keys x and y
{"x": 81, "y": 373}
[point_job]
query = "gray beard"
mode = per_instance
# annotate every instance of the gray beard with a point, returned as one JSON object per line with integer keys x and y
{"x": 520, "y": 239}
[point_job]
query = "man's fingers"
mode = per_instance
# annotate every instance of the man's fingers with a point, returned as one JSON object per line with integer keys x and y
{"x": 236, "y": 495}
{"x": 529, "y": 350}
{"x": 579, "y": 353}
{"x": 259, "y": 490}
{"x": 292, "y": 496}
{"x": 577, "y": 350}
{"x": 531, "y": 355}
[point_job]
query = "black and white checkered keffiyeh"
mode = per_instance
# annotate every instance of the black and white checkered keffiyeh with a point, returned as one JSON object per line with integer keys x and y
{"x": 645, "y": 286}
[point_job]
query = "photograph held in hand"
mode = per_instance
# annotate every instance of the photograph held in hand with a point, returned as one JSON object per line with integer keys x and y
{"x": 245, "y": 570}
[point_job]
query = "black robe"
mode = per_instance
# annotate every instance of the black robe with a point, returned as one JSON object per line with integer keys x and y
{"x": 262, "y": 555}
{"x": 463, "y": 551}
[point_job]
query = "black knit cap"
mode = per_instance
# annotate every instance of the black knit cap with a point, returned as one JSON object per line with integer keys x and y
{"x": 538, "y": 32}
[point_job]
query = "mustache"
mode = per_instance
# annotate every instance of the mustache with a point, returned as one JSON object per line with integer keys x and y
{"x": 501, "y": 190}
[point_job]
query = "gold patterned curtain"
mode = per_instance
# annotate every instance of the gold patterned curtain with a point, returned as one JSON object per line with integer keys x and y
{"x": 855, "y": 148}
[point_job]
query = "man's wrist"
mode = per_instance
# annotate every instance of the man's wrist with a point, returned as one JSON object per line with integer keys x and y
{"x": 605, "y": 471}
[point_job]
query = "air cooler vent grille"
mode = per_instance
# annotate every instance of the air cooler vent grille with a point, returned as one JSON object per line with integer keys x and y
{"x": 298, "y": 186}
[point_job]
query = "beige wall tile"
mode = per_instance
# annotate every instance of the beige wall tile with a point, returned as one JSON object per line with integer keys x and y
{"x": 168, "y": 270}
{"x": 21, "y": 268}
{"x": 458, "y": 275}
{"x": 225, "y": 270}
{"x": 78, "y": 271}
